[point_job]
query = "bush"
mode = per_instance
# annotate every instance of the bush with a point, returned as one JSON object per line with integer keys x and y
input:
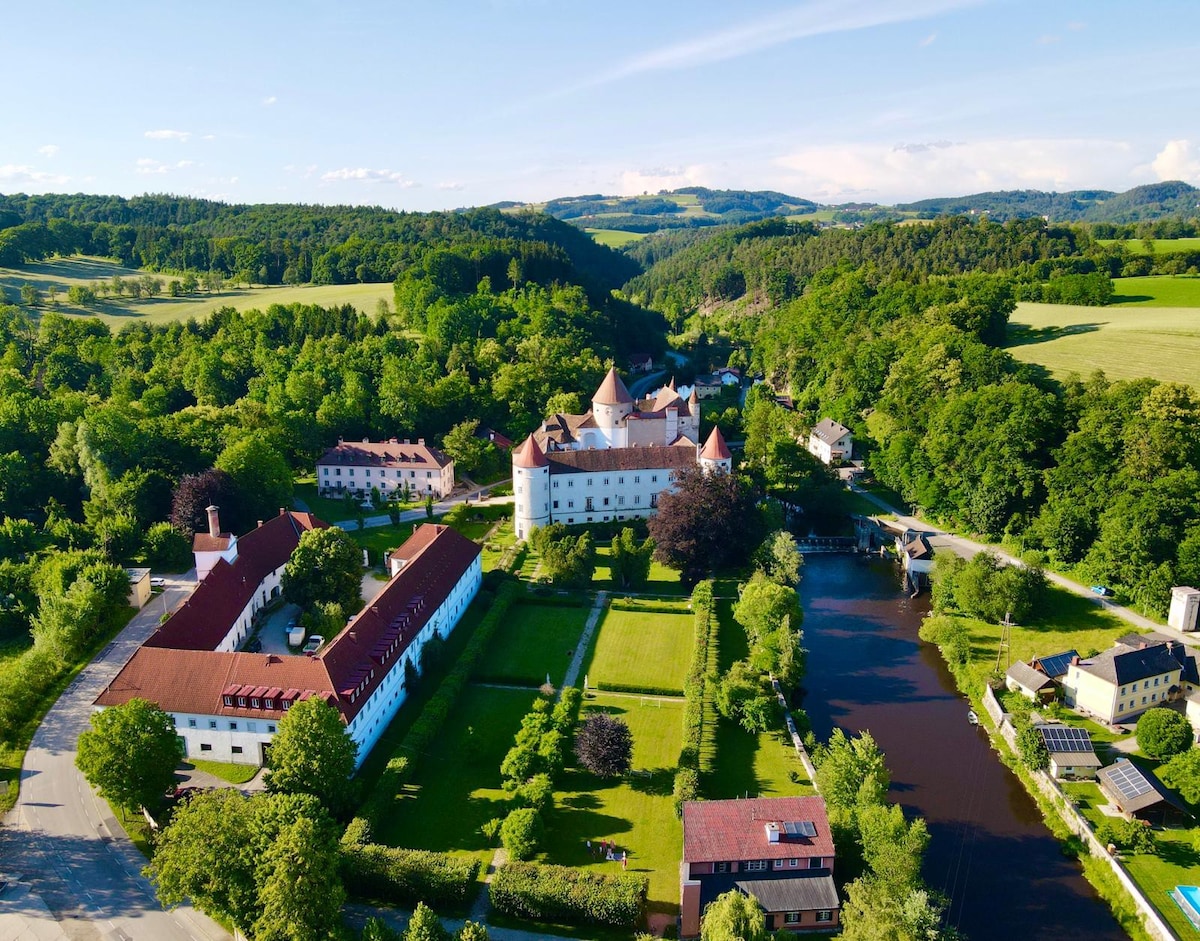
{"x": 537, "y": 793}
{"x": 357, "y": 833}
{"x": 562, "y": 893}
{"x": 167, "y": 549}
{"x": 406, "y": 877}
{"x": 604, "y": 746}
{"x": 687, "y": 788}
{"x": 1131, "y": 835}
{"x": 1032, "y": 748}
{"x": 521, "y": 832}
{"x": 1162, "y": 733}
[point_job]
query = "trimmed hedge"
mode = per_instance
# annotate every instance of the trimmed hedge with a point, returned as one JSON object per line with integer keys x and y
{"x": 697, "y": 692}
{"x": 406, "y": 877}
{"x": 422, "y": 733}
{"x": 649, "y": 607}
{"x": 561, "y": 893}
{"x": 672, "y": 691}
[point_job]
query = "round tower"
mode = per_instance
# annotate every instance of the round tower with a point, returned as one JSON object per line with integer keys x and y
{"x": 715, "y": 454}
{"x": 611, "y": 405}
{"x": 531, "y": 488}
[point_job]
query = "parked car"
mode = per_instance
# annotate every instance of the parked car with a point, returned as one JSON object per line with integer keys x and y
{"x": 314, "y": 643}
{"x": 1102, "y": 591}
{"x": 157, "y": 582}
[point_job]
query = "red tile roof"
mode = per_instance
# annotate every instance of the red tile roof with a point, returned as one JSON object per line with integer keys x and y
{"x": 715, "y": 448}
{"x": 725, "y": 830}
{"x": 206, "y": 615}
{"x": 206, "y": 542}
{"x": 391, "y": 453}
{"x": 622, "y": 459}
{"x": 529, "y": 455}
{"x": 612, "y": 390}
{"x": 349, "y": 669}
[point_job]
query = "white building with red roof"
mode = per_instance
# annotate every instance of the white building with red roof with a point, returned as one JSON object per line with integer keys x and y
{"x": 778, "y": 850}
{"x": 387, "y": 466}
{"x": 611, "y": 463}
{"x": 227, "y": 705}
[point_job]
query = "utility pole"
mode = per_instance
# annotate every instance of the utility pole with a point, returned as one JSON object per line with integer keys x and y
{"x": 1005, "y": 638}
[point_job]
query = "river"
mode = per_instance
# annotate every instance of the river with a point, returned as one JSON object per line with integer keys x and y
{"x": 990, "y": 853}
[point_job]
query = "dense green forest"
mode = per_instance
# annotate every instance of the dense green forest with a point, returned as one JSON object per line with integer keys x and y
{"x": 1140, "y": 204}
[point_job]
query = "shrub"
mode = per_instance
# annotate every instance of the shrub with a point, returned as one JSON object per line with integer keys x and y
{"x": 406, "y": 877}
{"x": 1132, "y": 835}
{"x": 1162, "y": 733}
{"x": 521, "y": 832}
{"x": 687, "y": 788}
{"x": 491, "y": 829}
{"x": 561, "y": 893}
{"x": 604, "y": 746}
{"x": 357, "y": 833}
{"x": 537, "y": 793}
{"x": 1032, "y": 748}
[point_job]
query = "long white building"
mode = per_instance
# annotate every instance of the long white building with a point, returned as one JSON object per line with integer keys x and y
{"x": 611, "y": 463}
{"x": 227, "y": 705}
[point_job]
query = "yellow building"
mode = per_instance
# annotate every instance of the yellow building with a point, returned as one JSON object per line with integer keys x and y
{"x": 1125, "y": 681}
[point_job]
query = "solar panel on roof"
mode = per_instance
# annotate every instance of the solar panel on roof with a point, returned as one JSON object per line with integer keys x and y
{"x": 800, "y": 828}
{"x": 1057, "y": 664}
{"x": 1128, "y": 779}
{"x": 1065, "y": 738}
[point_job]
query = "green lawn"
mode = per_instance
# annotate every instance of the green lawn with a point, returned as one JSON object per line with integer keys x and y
{"x": 1156, "y": 247}
{"x": 333, "y": 510}
{"x": 67, "y": 272}
{"x": 662, "y": 580}
{"x": 456, "y": 788}
{"x": 234, "y": 774}
{"x": 637, "y": 813}
{"x": 380, "y": 539}
{"x": 1158, "y": 337}
{"x": 614, "y": 238}
{"x": 750, "y": 765}
{"x": 647, "y": 650}
{"x": 533, "y": 641}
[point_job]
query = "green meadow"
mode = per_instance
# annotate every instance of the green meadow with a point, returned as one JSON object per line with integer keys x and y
{"x": 1155, "y": 246}
{"x": 614, "y": 238}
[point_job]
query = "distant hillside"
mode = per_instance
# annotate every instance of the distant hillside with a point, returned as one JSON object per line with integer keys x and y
{"x": 1140, "y": 204}
{"x": 688, "y": 208}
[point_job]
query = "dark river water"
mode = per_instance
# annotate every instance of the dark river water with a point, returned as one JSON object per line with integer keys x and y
{"x": 989, "y": 852}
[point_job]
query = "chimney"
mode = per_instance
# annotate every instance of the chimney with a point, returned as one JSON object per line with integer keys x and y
{"x": 1075, "y": 661}
{"x": 260, "y": 523}
{"x": 366, "y": 440}
{"x": 283, "y": 511}
{"x": 421, "y": 441}
{"x": 340, "y": 441}
{"x": 214, "y": 521}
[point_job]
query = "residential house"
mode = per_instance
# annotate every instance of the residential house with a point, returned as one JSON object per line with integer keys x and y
{"x": 1055, "y": 665}
{"x": 641, "y": 362}
{"x": 830, "y": 442}
{"x": 387, "y": 466}
{"x": 1123, "y": 682}
{"x": 227, "y": 705}
{"x": 916, "y": 552}
{"x": 1030, "y": 683}
{"x": 1184, "y": 613}
{"x": 611, "y": 463}
{"x": 1071, "y": 752}
{"x": 778, "y": 850}
{"x": 707, "y": 387}
{"x": 1138, "y": 794}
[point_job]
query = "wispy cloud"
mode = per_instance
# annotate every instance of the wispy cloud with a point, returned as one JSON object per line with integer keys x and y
{"x": 269, "y": 100}
{"x": 12, "y": 174}
{"x": 48, "y": 150}
{"x": 365, "y": 175}
{"x": 1076, "y": 25}
{"x": 653, "y": 179}
{"x": 148, "y": 165}
{"x": 817, "y": 18}
{"x": 450, "y": 186}
{"x": 1048, "y": 39}
{"x": 167, "y": 134}
{"x": 928, "y": 40}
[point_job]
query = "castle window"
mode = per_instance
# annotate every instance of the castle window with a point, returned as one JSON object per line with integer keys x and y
{"x": 654, "y": 478}
{"x": 556, "y": 504}
{"x": 570, "y": 504}
{"x": 620, "y": 480}
{"x": 637, "y": 498}
{"x": 637, "y": 478}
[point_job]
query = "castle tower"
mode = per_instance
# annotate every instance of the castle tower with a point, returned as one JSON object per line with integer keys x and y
{"x": 531, "y": 488}
{"x": 611, "y": 405}
{"x": 715, "y": 454}
{"x": 690, "y": 426}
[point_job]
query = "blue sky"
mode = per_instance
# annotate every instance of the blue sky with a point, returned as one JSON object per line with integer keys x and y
{"x": 445, "y": 103}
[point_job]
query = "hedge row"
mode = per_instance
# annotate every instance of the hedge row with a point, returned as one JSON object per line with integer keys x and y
{"x": 422, "y": 733}
{"x": 556, "y": 600}
{"x": 697, "y": 694}
{"x": 406, "y": 877}
{"x": 562, "y": 893}
{"x": 650, "y": 607}
{"x": 631, "y": 688}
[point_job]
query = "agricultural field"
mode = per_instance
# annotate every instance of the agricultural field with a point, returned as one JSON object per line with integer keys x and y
{"x": 65, "y": 273}
{"x": 537, "y": 641}
{"x": 1155, "y": 246}
{"x": 646, "y": 650}
{"x": 614, "y": 238}
{"x": 1125, "y": 341}
{"x": 1157, "y": 291}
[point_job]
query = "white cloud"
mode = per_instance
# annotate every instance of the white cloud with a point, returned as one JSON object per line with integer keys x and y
{"x": 167, "y": 134}
{"x": 365, "y": 175}
{"x": 1076, "y": 25}
{"x": 653, "y": 179}
{"x": 12, "y": 174}
{"x": 450, "y": 186}
{"x": 900, "y": 172}
{"x": 148, "y": 165}
{"x": 928, "y": 40}
{"x": 209, "y": 137}
{"x": 48, "y": 150}
{"x": 816, "y": 18}
{"x": 1176, "y": 161}
{"x": 269, "y": 100}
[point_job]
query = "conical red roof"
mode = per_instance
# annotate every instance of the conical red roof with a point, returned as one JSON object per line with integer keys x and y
{"x": 715, "y": 448}
{"x": 529, "y": 455}
{"x": 612, "y": 390}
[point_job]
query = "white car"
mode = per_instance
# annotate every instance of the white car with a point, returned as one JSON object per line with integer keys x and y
{"x": 157, "y": 582}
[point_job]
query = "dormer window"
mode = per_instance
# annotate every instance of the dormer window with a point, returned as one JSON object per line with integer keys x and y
{"x": 253, "y": 703}
{"x": 228, "y": 700}
{"x": 287, "y": 704}
{"x": 242, "y": 702}
{"x": 269, "y": 703}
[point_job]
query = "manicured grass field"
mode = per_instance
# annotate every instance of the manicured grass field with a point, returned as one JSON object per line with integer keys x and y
{"x": 754, "y": 765}
{"x": 116, "y": 312}
{"x": 234, "y": 774}
{"x": 380, "y": 539}
{"x": 456, "y": 788}
{"x": 642, "y": 649}
{"x": 534, "y": 641}
{"x": 1156, "y": 247}
{"x": 1126, "y": 342}
{"x": 614, "y": 238}
{"x": 662, "y": 580}
{"x": 1157, "y": 291}
{"x": 637, "y": 812}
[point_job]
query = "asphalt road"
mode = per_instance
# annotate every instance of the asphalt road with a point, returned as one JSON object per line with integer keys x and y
{"x": 84, "y": 875}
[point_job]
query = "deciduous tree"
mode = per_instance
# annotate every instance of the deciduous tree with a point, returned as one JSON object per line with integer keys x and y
{"x": 604, "y": 745}
{"x": 734, "y": 916}
{"x": 312, "y": 753}
{"x": 1163, "y": 733}
{"x": 325, "y": 567}
{"x": 130, "y": 754}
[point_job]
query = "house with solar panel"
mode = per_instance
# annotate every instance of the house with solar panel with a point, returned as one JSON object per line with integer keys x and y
{"x": 1054, "y": 665}
{"x": 1030, "y": 683}
{"x": 1121, "y": 683}
{"x": 1072, "y": 755}
{"x": 1137, "y": 794}
{"x": 777, "y": 850}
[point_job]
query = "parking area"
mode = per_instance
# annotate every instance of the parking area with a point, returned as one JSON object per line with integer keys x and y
{"x": 273, "y": 633}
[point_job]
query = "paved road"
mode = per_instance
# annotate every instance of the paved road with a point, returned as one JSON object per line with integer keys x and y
{"x": 84, "y": 876}
{"x": 640, "y": 388}
{"x": 416, "y": 516}
{"x": 968, "y": 548}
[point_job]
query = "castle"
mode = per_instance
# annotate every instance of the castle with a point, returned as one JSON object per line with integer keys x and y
{"x": 610, "y": 463}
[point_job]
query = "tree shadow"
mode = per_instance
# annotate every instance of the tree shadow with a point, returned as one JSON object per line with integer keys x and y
{"x": 658, "y": 782}
{"x": 1019, "y": 335}
{"x": 1130, "y": 298}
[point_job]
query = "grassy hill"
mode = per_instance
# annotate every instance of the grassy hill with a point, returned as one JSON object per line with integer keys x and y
{"x": 1142, "y": 203}
{"x": 116, "y": 312}
{"x": 1152, "y": 330}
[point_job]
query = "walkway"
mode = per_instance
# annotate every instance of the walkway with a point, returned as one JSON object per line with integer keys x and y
{"x": 585, "y": 641}
{"x": 968, "y": 548}
{"x": 443, "y": 506}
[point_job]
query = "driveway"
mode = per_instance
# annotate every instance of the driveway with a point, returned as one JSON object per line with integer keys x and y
{"x": 81, "y": 877}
